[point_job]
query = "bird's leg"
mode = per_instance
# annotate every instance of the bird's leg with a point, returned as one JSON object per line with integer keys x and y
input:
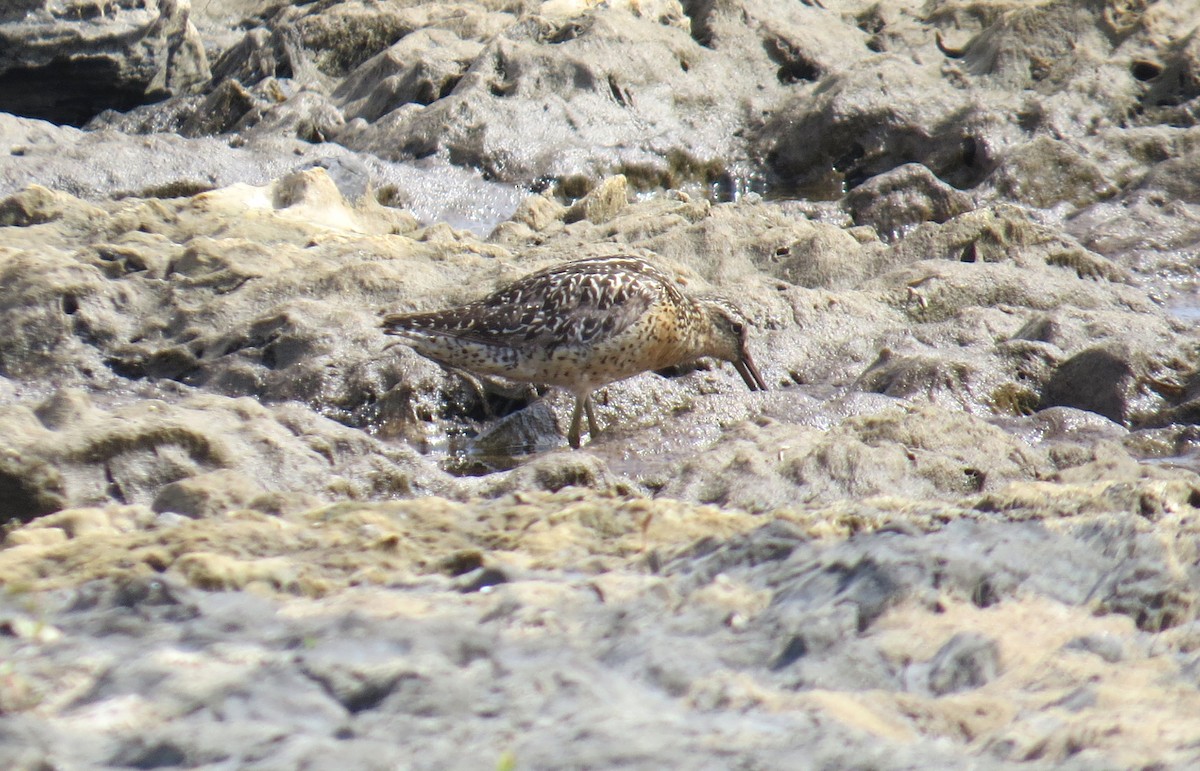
{"x": 477, "y": 386}
{"x": 576, "y": 419}
{"x": 484, "y": 385}
{"x": 593, "y": 429}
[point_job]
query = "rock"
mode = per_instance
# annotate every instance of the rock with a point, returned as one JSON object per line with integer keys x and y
{"x": 140, "y": 53}
{"x": 861, "y": 606}
{"x": 31, "y": 487}
{"x": 1100, "y": 380}
{"x": 908, "y": 195}
{"x": 180, "y": 457}
{"x": 157, "y": 597}
{"x": 420, "y": 68}
{"x": 1106, "y": 648}
{"x": 1150, "y": 597}
{"x": 907, "y": 451}
{"x": 482, "y": 579}
{"x": 82, "y": 523}
{"x": 1046, "y": 172}
{"x": 64, "y": 409}
{"x": 249, "y": 61}
{"x": 823, "y": 256}
{"x": 220, "y": 572}
{"x": 530, "y": 430}
{"x": 1172, "y": 78}
{"x": 866, "y": 119}
{"x": 359, "y": 685}
{"x": 1003, "y": 233}
{"x": 965, "y": 662}
{"x": 538, "y": 212}
{"x": 964, "y": 239}
{"x": 560, "y": 470}
{"x": 555, "y": 77}
{"x": 206, "y": 494}
{"x": 37, "y": 205}
{"x": 601, "y": 204}
{"x": 220, "y": 111}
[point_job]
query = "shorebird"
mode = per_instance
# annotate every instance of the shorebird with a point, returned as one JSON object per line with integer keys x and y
{"x": 580, "y": 326}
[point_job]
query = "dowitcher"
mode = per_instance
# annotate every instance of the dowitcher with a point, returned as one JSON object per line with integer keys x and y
{"x": 580, "y": 326}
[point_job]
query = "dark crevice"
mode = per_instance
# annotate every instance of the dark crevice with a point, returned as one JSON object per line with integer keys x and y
{"x": 71, "y": 92}
{"x": 566, "y": 32}
{"x": 795, "y": 650}
{"x": 470, "y": 405}
{"x": 130, "y": 368}
{"x": 700, "y": 13}
{"x": 848, "y": 159}
{"x": 112, "y": 487}
{"x": 23, "y": 499}
{"x": 970, "y": 151}
{"x": 420, "y": 148}
{"x": 794, "y": 66}
{"x": 449, "y": 86}
{"x": 797, "y": 71}
{"x": 1145, "y": 70}
{"x": 501, "y": 90}
{"x": 614, "y": 88}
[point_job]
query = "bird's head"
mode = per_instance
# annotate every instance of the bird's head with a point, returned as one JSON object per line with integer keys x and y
{"x": 728, "y": 339}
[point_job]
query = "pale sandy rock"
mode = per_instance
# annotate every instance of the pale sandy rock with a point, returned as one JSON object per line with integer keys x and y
{"x": 223, "y": 573}
{"x": 208, "y": 494}
{"x": 601, "y": 204}
{"x": 538, "y": 212}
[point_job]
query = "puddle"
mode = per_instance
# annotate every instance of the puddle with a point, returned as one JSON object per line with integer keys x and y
{"x": 1188, "y": 461}
{"x": 1185, "y": 307}
{"x": 471, "y": 455}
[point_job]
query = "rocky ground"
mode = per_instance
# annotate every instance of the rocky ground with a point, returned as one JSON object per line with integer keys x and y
{"x": 959, "y": 531}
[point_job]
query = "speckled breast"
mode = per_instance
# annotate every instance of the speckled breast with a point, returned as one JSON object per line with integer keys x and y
{"x": 653, "y": 342}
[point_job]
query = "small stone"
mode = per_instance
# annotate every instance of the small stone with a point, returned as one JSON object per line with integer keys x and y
{"x": 967, "y": 661}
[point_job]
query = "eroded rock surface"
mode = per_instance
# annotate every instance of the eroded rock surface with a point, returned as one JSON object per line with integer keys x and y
{"x": 245, "y": 531}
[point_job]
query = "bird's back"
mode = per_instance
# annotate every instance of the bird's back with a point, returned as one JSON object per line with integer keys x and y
{"x": 591, "y": 322}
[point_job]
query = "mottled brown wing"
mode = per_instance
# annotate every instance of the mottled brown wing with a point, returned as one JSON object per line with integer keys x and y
{"x": 573, "y": 303}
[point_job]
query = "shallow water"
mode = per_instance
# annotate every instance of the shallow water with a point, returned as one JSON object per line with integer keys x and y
{"x": 436, "y": 191}
{"x": 1185, "y": 307}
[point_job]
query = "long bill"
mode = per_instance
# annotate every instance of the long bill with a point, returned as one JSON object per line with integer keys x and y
{"x": 749, "y": 372}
